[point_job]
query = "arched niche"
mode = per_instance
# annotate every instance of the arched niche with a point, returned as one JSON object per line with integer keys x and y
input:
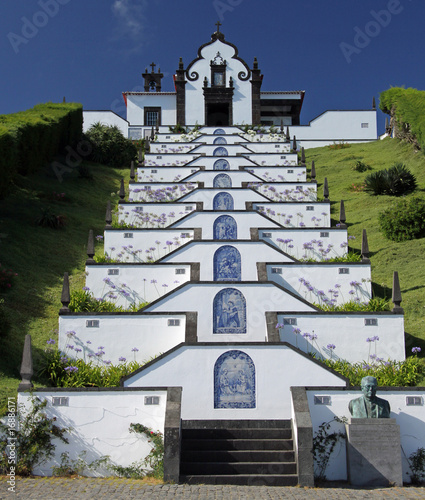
{"x": 222, "y": 181}
{"x": 221, "y": 165}
{"x": 220, "y": 151}
{"x": 234, "y": 381}
{"x": 225, "y": 228}
{"x": 227, "y": 264}
{"x": 220, "y": 140}
{"x": 229, "y": 312}
{"x": 223, "y": 201}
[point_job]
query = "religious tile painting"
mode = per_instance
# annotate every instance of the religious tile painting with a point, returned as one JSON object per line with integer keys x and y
{"x": 227, "y": 264}
{"x": 222, "y": 181}
{"x": 220, "y": 151}
{"x": 223, "y": 201}
{"x": 220, "y": 140}
{"x": 229, "y": 311}
{"x": 234, "y": 381}
{"x": 221, "y": 165}
{"x": 225, "y": 228}
{"x": 219, "y": 131}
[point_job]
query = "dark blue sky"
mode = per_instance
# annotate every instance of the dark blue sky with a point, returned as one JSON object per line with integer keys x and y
{"x": 341, "y": 52}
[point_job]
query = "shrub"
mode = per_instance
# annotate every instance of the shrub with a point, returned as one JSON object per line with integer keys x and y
{"x": 404, "y": 220}
{"x": 47, "y": 219}
{"x": 395, "y": 181}
{"x": 361, "y": 167}
{"x": 110, "y": 147}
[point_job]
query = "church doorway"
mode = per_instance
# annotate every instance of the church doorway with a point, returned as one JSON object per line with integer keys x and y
{"x": 218, "y": 114}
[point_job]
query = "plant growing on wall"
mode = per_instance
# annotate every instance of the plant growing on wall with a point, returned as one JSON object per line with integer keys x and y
{"x": 324, "y": 443}
{"x": 417, "y": 466}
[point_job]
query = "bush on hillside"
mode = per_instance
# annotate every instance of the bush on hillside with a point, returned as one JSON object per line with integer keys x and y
{"x": 361, "y": 167}
{"x": 404, "y": 220}
{"x": 110, "y": 147}
{"x": 395, "y": 181}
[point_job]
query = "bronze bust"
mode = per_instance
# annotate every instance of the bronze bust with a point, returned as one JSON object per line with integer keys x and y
{"x": 369, "y": 405}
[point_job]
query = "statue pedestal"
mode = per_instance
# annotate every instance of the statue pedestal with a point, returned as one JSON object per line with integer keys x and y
{"x": 374, "y": 452}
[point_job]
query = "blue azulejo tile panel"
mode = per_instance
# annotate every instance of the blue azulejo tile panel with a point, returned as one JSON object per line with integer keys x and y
{"x": 227, "y": 264}
{"x": 225, "y": 228}
{"x": 234, "y": 381}
{"x": 219, "y": 131}
{"x": 220, "y": 151}
{"x": 221, "y": 164}
{"x": 223, "y": 201}
{"x": 220, "y": 140}
{"x": 222, "y": 181}
{"x": 229, "y": 311}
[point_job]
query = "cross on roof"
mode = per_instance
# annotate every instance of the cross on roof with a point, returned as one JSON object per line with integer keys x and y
{"x": 152, "y": 66}
{"x": 218, "y": 24}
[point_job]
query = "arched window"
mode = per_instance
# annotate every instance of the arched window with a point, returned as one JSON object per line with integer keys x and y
{"x": 222, "y": 181}
{"x": 227, "y": 264}
{"x": 223, "y": 201}
{"x": 221, "y": 165}
{"x": 234, "y": 381}
{"x": 225, "y": 228}
{"x": 229, "y": 311}
{"x": 220, "y": 151}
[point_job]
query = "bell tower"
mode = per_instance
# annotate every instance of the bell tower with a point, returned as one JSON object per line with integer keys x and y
{"x": 152, "y": 79}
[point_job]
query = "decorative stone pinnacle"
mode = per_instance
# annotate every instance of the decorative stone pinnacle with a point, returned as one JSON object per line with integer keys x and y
{"x": 373, "y": 103}
{"x": 396, "y": 298}
{"x": 181, "y": 66}
{"x": 132, "y": 173}
{"x": 281, "y": 126}
{"x": 90, "y": 247}
{"x": 302, "y": 155}
{"x": 326, "y": 190}
{"x": 26, "y": 366}
{"x": 152, "y": 133}
{"x": 65, "y": 297}
{"x": 287, "y": 136}
{"x": 122, "y": 190}
{"x": 108, "y": 216}
{"x": 294, "y": 143}
{"x": 365, "y": 247}
{"x": 313, "y": 171}
{"x": 342, "y": 217}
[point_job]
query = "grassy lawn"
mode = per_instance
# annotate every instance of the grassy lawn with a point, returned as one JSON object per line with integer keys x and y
{"x": 41, "y": 255}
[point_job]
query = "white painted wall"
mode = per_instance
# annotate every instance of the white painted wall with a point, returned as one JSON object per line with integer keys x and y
{"x": 118, "y": 334}
{"x": 273, "y": 159}
{"x": 411, "y": 420}
{"x": 297, "y": 214}
{"x": 137, "y": 102}
{"x": 268, "y": 147}
{"x": 166, "y": 148}
{"x": 106, "y": 118}
{"x": 230, "y": 139}
{"x": 145, "y": 215}
{"x": 240, "y": 197}
{"x": 236, "y": 176}
{"x": 232, "y": 149}
{"x": 158, "y": 191}
{"x": 234, "y": 162}
{"x": 285, "y": 191}
{"x": 260, "y": 297}
{"x": 323, "y": 283}
{"x": 276, "y": 174}
{"x": 277, "y": 369}
{"x": 348, "y": 332}
{"x": 100, "y": 422}
{"x": 168, "y": 159}
{"x": 164, "y": 174}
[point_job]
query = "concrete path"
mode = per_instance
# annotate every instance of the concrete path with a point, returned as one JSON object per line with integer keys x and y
{"x": 117, "y": 489}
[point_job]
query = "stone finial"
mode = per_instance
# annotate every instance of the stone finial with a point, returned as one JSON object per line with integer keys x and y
{"x": 302, "y": 156}
{"x": 132, "y": 173}
{"x": 326, "y": 190}
{"x": 181, "y": 65}
{"x": 152, "y": 133}
{"x": 255, "y": 63}
{"x": 281, "y": 126}
{"x": 294, "y": 143}
{"x": 66, "y": 296}
{"x": 108, "y": 216}
{"x": 26, "y": 366}
{"x": 373, "y": 103}
{"x": 396, "y": 298}
{"x": 205, "y": 82}
{"x": 231, "y": 83}
{"x": 90, "y": 248}
{"x": 140, "y": 158}
{"x": 287, "y": 136}
{"x": 313, "y": 172}
{"x": 342, "y": 217}
{"x": 365, "y": 247}
{"x": 157, "y": 128}
{"x": 122, "y": 190}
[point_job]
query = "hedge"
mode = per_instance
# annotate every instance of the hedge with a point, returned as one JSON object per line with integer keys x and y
{"x": 30, "y": 139}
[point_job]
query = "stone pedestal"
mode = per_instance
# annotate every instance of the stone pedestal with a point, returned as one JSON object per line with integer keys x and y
{"x": 374, "y": 452}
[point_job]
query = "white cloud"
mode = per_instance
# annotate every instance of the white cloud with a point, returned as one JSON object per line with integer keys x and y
{"x": 132, "y": 21}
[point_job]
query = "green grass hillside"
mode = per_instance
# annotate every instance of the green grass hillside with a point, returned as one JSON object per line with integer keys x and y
{"x": 40, "y": 255}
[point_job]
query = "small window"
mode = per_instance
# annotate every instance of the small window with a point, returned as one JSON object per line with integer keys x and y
{"x": 299, "y": 188}
{"x": 159, "y": 157}
{"x": 173, "y": 322}
{"x": 322, "y": 400}
{"x": 60, "y": 401}
{"x": 276, "y": 270}
{"x": 154, "y": 171}
{"x": 324, "y": 234}
{"x": 180, "y": 271}
{"x": 277, "y": 146}
{"x": 193, "y": 171}
{"x": 128, "y": 235}
{"x": 92, "y": 323}
{"x": 309, "y": 208}
{"x": 185, "y": 235}
{"x": 167, "y": 137}
{"x": 290, "y": 321}
{"x": 151, "y": 400}
{"x": 189, "y": 208}
{"x": 163, "y": 146}
{"x": 414, "y": 401}
{"x": 371, "y": 322}
{"x": 113, "y": 272}
{"x": 139, "y": 209}
{"x": 283, "y": 157}
{"x": 267, "y": 235}
{"x": 343, "y": 270}
{"x": 365, "y": 125}
{"x": 290, "y": 171}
